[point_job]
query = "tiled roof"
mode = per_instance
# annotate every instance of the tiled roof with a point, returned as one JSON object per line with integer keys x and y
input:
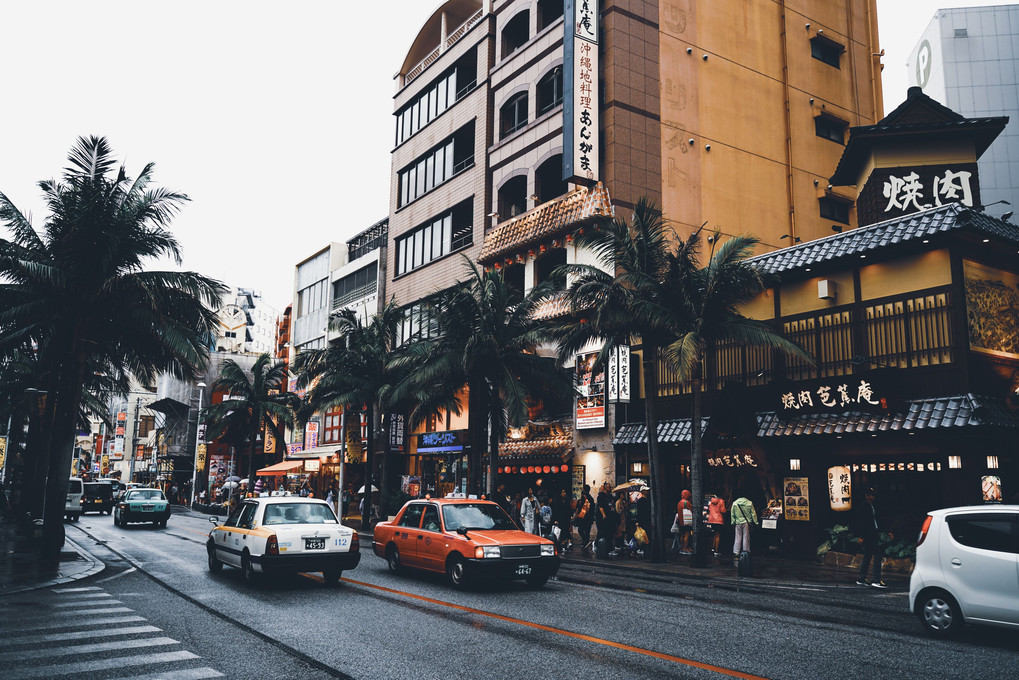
{"x": 967, "y": 410}
{"x": 879, "y": 236}
{"x": 546, "y": 221}
{"x": 551, "y": 307}
{"x": 669, "y": 432}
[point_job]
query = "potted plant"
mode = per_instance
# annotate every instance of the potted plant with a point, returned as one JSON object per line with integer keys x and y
{"x": 839, "y": 546}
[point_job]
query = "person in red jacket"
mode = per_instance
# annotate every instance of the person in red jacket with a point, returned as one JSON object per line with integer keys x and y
{"x": 716, "y": 510}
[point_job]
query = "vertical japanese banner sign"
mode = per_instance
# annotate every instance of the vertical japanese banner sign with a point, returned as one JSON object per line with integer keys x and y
{"x": 580, "y": 103}
{"x": 268, "y": 438}
{"x": 3, "y": 451}
{"x": 311, "y": 436}
{"x": 840, "y": 488}
{"x": 355, "y": 452}
{"x": 591, "y": 400}
{"x": 619, "y": 375}
{"x": 118, "y": 441}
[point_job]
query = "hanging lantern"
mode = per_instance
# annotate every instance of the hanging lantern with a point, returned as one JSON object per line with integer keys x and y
{"x": 569, "y": 238}
{"x": 840, "y": 488}
{"x": 497, "y": 266}
{"x": 530, "y": 253}
{"x": 564, "y": 468}
{"x": 498, "y": 471}
{"x": 542, "y": 248}
{"x": 555, "y": 243}
{"x": 547, "y": 469}
{"x": 509, "y": 261}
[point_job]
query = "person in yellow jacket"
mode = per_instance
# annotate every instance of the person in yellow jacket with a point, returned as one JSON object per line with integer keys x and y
{"x": 743, "y": 515}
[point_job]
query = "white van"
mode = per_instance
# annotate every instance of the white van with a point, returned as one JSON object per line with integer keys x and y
{"x": 967, "y": 569}
{"x": 72, "y": 506}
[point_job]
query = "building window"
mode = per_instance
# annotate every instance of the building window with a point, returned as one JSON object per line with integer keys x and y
{"x": 449, "y": 88}
{"x": 513, "y": 114}
{"x": 451, "y": 157}
{"x": 514, "y": 36}
{"x": 548, "y": 179}
{"x": 548, "y": 12}
{"x": 830, "y": 128}
{"x": 438, "y": 237}
{"x": 312, "y": 298}
{"x": 419, "y": 323}
{"x": 513, "y": 197}
{"x": 331, "y": 432}
{"x": 834, "y": 209}
{"x": 547, "y": 263}
{"x": 826, "y": 50}
{"x": 550, "y": 90}
{"x": 362, "y": 283}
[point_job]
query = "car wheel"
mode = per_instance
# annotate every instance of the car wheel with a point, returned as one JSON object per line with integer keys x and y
{"x": 537, "y": 581}
{"x": 116, "y": 519}
{"x": 939, "y": 614}
{"x": 248, "y": 570}
{"x": 161, "y": 523}
{"x": 332, "y": 576}
{"x": 393, "y": 559}
{"x": 456, "y": 572}
{"x": 75, "y": 518}
{"x": 215, "y": 566}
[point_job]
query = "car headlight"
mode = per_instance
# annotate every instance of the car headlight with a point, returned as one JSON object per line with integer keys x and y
{"x": 548, "y": 551}
{"x": 488, "y": 552}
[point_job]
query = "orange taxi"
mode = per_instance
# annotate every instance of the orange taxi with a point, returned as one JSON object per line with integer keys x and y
{"x": 466, "y": 539}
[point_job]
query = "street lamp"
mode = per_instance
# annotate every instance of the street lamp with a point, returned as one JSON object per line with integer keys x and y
{"x": 198, "y": 442}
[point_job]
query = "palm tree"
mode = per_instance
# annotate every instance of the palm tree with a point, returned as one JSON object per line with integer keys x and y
{"x": 80, "y": 284}
{"x": 635, "y": 300}
{"x": 488, "y": 342}
{"x": 714, "y": 294}
{"x": 360, "y": 369}
{"x": 258, "y": 401}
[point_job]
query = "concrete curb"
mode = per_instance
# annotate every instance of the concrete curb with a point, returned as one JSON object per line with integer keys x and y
{"x": 93, "y": 566}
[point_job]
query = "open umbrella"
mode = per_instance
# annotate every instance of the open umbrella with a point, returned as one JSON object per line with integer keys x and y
{"x": 632, "y": 485}
{"x": 374, "y": 488}
{"x": 229, "y": 485}
{"x": 233, "y": 478}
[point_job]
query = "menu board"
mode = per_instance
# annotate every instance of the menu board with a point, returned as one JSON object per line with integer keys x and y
{"x": 591, "y": 397}
{"x": 797, "y": 499}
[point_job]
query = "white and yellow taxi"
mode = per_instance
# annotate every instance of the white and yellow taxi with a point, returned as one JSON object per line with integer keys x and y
{"x": 284, "y": 534}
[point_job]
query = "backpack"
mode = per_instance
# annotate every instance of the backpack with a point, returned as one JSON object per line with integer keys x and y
{"x": 546, "y": 514}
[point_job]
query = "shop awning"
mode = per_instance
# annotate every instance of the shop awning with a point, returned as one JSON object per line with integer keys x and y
{"x": 669, "y": 432}
{"x": 280, "y": 468}
{"x": 317, "y": 452}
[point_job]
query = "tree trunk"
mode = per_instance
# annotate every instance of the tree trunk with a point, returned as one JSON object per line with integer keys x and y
{"x": 477, "y": 419}
{"x": 251, "y": 459}
{"x": 696, "y": 467}
{"x": 61, "y": 450}
{"x": 387, "y": 422}
{"x": 493, "y": 455}
{"x": 655, "y": 535}
{"x": 369, "y": 467}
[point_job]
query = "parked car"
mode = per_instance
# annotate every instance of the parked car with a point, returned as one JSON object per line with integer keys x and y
{"x": 283, "y": 534}
{"x": 466, "y": 539}
{"x": 967, "y": 569}
{"x": 142, "y": 505}
{"x": 72, "y": 504}
{"x": 97, "y": 497}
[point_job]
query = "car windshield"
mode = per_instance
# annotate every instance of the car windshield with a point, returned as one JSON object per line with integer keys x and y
{"x": 476, "y": 516}
{"x": 299, "y": 513}
{"x": 145, "y": 495}
{"x": 99, "y": 489}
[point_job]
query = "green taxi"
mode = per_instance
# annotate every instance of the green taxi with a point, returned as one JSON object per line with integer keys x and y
{"x": 142, "y": 505}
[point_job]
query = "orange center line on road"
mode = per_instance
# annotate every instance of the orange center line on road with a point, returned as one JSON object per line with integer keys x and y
{"x": 566, "y": 633}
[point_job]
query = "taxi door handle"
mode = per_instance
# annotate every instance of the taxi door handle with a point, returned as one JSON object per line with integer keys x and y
{"x": 956, "y": 562}
{"x": 420, "y": 537}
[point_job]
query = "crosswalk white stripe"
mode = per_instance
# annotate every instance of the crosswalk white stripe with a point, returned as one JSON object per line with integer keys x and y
{"x": 74, "y": 624}
{"x": 92, "y": 612}
{"x": 83, "y": 596}
{"x": 114, "y": 646}
{"x": 75, "y": 635}
{"x": 76, "y": 590}
{"x": 87, "y": 666}
{"x": 86, "y": 603}
{"x": 186, "y": 674}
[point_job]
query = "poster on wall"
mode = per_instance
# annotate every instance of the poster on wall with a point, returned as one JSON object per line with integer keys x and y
{"x": 578, "y": 474}
{"x": 992, "y": 303}
{"x": 797, "y": 499}
{"x": 990, "y": 488}
{"x": 591, "y": 397}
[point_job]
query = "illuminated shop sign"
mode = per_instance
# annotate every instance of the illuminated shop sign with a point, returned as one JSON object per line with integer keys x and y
{"x": 898, "y": 467}
{"x": 619, "y": 375}
{"x": 440, "y": 442}
{"x": 591, "y": 393}
{"x": 869, "y": 393}
{"x": 732, "y": 460}
{"x": 580, "y": 105}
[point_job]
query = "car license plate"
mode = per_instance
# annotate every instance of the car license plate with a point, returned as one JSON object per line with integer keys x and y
{"x": 147, "y": 508}
{"x": 523, "y": 570}
{"x": 314, "y": 544}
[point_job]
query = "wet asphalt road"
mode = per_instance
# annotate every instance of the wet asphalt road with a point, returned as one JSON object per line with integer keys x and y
{"x": 591, "y": 622}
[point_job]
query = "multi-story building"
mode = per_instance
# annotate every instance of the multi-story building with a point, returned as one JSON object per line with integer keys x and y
{"x": 517, "y": 119}
{"x": 247, "y": 324}
{"x": 967, "y": 59}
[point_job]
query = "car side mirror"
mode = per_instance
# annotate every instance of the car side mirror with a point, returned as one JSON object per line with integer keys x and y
{"x": 214, "y": 520}
{"x": 462, "y": 531}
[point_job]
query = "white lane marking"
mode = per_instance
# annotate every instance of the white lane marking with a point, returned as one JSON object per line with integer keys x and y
{"x": 123, "y": 573}
{"x": 71, "y": 650}
{"x": 38, "y": 637}
{"x": 83, "y": 596}
{"x": 111, "y": 610}
{"x": 186, "y": 674}
{"x": 22, "y": 630}
{"x": 87, "y": 666}
{"x": 86, "y": 603}
{"x": 76, "y": 590}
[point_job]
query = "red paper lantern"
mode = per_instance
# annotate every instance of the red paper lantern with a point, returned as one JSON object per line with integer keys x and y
{"x": 546, "y": 469}
{"x": 498, "y": 471}
{"x": 565, "y": 468}
{"x": 530, "y": 469}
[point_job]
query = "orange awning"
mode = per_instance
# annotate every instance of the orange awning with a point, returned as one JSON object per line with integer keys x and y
{"x": 280, "y": 468}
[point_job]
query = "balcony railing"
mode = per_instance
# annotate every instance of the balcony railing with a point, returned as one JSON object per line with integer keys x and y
{"x": 450, "y": 41}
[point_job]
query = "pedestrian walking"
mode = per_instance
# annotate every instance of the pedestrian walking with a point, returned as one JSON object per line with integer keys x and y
{"x": 744, "y": 516}
{"x": 606, "y": 519}
{"x": 585, "y": 517}
{"x": 621, "y": 512}
{"x": 716, "y": 521}
{"x": 684, "y": 515}
{"x": 867, "y": 525}
{"x": 561, "y": 512}
{"x": 528, "y": 511}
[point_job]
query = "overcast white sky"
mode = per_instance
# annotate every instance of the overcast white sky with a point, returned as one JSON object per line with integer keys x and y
{"x": 275, "y": 118}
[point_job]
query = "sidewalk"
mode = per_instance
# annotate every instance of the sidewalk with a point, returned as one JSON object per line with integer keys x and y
{"x": 22, "y": 569}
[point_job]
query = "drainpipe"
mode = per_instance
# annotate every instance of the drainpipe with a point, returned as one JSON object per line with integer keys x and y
{"x": 788, "y": 123}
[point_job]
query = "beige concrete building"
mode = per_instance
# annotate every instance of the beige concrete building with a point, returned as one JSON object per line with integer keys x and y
{"x": 732, "y": 113}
